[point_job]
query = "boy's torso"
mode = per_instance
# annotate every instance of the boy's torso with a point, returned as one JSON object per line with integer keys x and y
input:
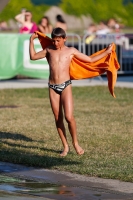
{"x": 59, "y": 61}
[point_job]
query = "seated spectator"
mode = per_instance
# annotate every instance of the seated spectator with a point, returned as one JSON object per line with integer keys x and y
{"x": 92, "y": 29}
{"x": 111, "y": 23}
{"x": 114, "y": 25}
{"x": 27, "y": 25}
{"x": 60, "y": 22}
{"x": 45, "y": 26}
{"x": 102, "y": 29}
{"x": 3, "y": 26}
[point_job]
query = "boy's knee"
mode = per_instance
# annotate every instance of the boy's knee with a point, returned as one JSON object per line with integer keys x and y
{"x": 69, "y": 118}
{"x": 58, "y": 119}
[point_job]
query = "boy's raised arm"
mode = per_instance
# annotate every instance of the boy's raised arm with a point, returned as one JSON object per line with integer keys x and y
{"x": 33, "y": 54}
{"x": 86, "y": 58}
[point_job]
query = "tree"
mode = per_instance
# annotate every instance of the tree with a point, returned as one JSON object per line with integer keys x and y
{"x": 13, "y": 8}
{"x": 100, "y": 9}
{"x": 3, "y": 3}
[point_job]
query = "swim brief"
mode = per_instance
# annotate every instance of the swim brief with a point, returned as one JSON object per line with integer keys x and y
{"x": 58, "y": 88}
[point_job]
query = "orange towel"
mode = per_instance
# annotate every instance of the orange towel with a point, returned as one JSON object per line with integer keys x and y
{"x": 82, "y": 70}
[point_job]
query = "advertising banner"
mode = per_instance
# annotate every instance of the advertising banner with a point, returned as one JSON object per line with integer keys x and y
{"x": 15, "y": 59}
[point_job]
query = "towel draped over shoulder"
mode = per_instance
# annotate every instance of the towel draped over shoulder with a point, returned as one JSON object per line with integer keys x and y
{"x": 83, "y": 70}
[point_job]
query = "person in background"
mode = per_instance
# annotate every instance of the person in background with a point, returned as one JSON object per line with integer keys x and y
{"x": 3, "y": 26}
{"x": 60, "y": 22}
{"x": 114, "y": 25}
{"x": 45, "y": 26}
{"x": 27, "y": 25}
{"x": 91, "y": 31}
{"x": 111, "y": 23}
{"x": 102, "y": 28}
{"x": 21, "y": 17}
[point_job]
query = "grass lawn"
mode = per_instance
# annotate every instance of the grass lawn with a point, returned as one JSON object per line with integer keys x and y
{"x": 105, "y": 130}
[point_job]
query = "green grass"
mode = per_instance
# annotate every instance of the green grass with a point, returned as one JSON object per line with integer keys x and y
{"x": 105, "y": 130}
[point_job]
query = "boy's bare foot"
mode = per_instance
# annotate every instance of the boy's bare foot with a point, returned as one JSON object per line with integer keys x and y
{"x": 64, "y": 152}
{"x": 78, "y": 149}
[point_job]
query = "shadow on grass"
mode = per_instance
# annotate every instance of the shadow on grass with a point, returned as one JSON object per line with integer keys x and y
{"x": 18, "y": 153}
{"x": 30, "y": 159}
{"x": 31, "y": 147}
{"x": 14, "y": 136}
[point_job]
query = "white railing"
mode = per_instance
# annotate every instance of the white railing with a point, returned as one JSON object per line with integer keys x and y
{"x": 89, "y": 44}
{"x": 74, "y": 40}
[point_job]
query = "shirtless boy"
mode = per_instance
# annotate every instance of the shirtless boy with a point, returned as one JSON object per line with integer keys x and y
{"x": 60, "y": 89}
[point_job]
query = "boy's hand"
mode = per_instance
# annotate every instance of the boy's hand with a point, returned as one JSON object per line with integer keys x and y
{"x": 109, "y": 48}
{"x": 33, "y": 36}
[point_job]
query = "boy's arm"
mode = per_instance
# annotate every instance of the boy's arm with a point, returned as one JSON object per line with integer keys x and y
{"x": 86, "y": 58}
{"x": 33, "y": 54}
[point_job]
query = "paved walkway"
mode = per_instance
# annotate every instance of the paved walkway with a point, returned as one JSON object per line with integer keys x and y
{"x": 40, "y": 83}
{"x": 70, "y": 186}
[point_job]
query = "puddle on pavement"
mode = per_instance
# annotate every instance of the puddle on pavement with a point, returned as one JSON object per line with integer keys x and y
{"x": 19, "y": 189}
{"x": 11, "y": 186}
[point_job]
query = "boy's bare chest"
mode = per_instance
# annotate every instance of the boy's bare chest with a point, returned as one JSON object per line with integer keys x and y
{"x": 59, "y": 56}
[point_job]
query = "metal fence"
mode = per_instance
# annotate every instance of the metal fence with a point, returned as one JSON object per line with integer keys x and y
{"x": 89, "y": 44}
{"x": 74, "y": 40}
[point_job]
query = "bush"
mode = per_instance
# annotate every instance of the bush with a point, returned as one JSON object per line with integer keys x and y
{"x": 13, "y": 8}
{"x": 100, "y": 10}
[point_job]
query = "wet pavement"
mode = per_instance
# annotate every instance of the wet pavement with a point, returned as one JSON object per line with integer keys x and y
{"x": 23, "y": 189}
{"x": 20, "y": 182}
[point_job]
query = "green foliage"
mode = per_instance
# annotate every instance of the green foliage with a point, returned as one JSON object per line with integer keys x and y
{"x": 77, "y": 7}
{"x": 100, "y": 9}
{"x": 129, "y": 19}
{"x": 14, "y": 7}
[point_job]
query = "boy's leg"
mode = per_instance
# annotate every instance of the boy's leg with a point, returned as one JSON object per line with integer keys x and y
{"x": 67, "y": 102}
{"x": 56, "y": 106}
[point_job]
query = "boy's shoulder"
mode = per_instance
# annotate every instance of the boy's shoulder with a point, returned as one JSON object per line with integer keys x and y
{"x": 70, "y": 48}
{"x": 50, "y": 47}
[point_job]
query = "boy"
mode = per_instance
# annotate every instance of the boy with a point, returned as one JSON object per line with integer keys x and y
{"x": 60, "y": 90}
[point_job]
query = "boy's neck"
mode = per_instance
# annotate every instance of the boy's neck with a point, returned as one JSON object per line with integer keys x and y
{"x": 61, "y": 48}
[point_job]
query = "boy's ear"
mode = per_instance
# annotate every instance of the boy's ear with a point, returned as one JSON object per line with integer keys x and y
{"x": 65, "y": 39}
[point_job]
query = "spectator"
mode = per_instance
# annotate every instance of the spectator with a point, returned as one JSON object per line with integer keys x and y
{"x": 102, "y": 29}
{"x": 92, "y": 29}
{"x": 45, "y": 26}
{"x": 21, "y": 17}
{"x": 27, "y": 25}
{"x": 111, "y": 23}
{"x": 3, "y": 26}
{"x": 114, "y": 25}
{"x": 60, "y": 22}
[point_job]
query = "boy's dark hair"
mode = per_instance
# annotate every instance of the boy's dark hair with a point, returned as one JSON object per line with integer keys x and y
{"x": 58, "y": 32}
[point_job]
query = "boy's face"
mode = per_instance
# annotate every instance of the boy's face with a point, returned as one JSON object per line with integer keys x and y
{"x": 58, "y": 42}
